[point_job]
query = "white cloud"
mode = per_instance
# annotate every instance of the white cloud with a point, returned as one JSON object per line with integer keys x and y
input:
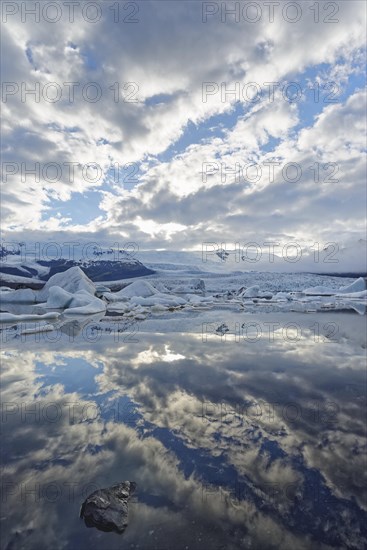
{"x": 171, "y": 52}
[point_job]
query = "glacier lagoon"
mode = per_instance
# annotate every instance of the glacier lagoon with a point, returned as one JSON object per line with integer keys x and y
{"x": 241, "y": 430}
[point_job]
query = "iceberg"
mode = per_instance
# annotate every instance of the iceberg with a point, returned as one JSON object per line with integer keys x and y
{"x": 195, "y": 299}
{"x": 158, "y": 299}
{"x": 251, "y": 292}
{"x": 21, "y": 296}
{"x": 81, "y": 302}
{"x": 95, "y": 305}
{"x": 136, "y": 289}
{"x": 361, "y": 294}
{"x": 358, "y": 285}
{"x": 194, "y": 285}
{"x": 72, "y": 280}
{"x": 11, "y": 318}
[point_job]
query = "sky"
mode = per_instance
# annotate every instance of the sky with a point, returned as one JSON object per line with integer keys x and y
{"x": 173, "y": 123}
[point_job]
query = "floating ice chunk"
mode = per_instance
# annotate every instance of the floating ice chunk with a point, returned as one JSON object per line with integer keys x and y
{"x": 140, "y": 316}
{"x": 265, "y": 294}
{"x": 282, "y": 296}
{"x": 114, "y": 297}
{"x": 94, "y": 306}
{"x": 39, "y": 327}
{"x": 21, "y": 296}
{"x": 72, "y": 280}
{"x": 194, "y": 285}
{"x": 137, "y": 288}
{"x": 119, "y": 306}
{"x": 197, "y": 284}
{"x": 81, "y": 302}
{"x": 58, "y": 298}
{"x": 162, "y": 299}
{"x": 195, "y": 299}
{"x": 101, "y": 290}
{"x": 11, "y": 318}
{"x": 161, "y": 288}
{"x": 357, "y": 306}
{"x": 157, "y": 308}
{"x": 320, "y": 291}
{"x": 251, "y": 292}
{"x": 357, "y": 286}
{"x": 361, "y": 294}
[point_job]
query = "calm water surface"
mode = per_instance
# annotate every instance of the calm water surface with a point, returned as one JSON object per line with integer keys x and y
{"x": 255, "y": 440}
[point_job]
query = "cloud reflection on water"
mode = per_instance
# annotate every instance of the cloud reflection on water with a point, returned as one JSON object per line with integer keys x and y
{"x": 230, "y": 445}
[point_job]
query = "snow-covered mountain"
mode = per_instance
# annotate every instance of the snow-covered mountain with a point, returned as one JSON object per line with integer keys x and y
{"x": 18, "y": 268}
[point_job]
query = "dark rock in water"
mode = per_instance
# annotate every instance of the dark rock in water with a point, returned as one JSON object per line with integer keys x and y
{"x": 107, "y": 509}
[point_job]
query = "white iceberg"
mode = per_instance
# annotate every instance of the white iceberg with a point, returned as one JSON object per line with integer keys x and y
{"x": 255, "y": 292}
{"x": 194, "y": 285}
{"x": 251, "y": 292}
{"x": 161, "y": 299}
{"x": 358, "y": 285}
{"x": 282, "y": 296}
{"x": 70, "y": 290}
{"x": 101, "y": 290}
{"x": 137, "y": 288}
{"x": 71, "y": 280}
{"x": 21, "y": 296}
{"x": 161, "y": 287}
{"x": 158, "y": 308}
{"x": 11, "y": 318}
{"x": 58, "y": 298}
{"x": 81, "y": 302}
{"x": 361, "y": 294}
{"x": 95, "y": 305}
{"x": 195, "y": 299}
